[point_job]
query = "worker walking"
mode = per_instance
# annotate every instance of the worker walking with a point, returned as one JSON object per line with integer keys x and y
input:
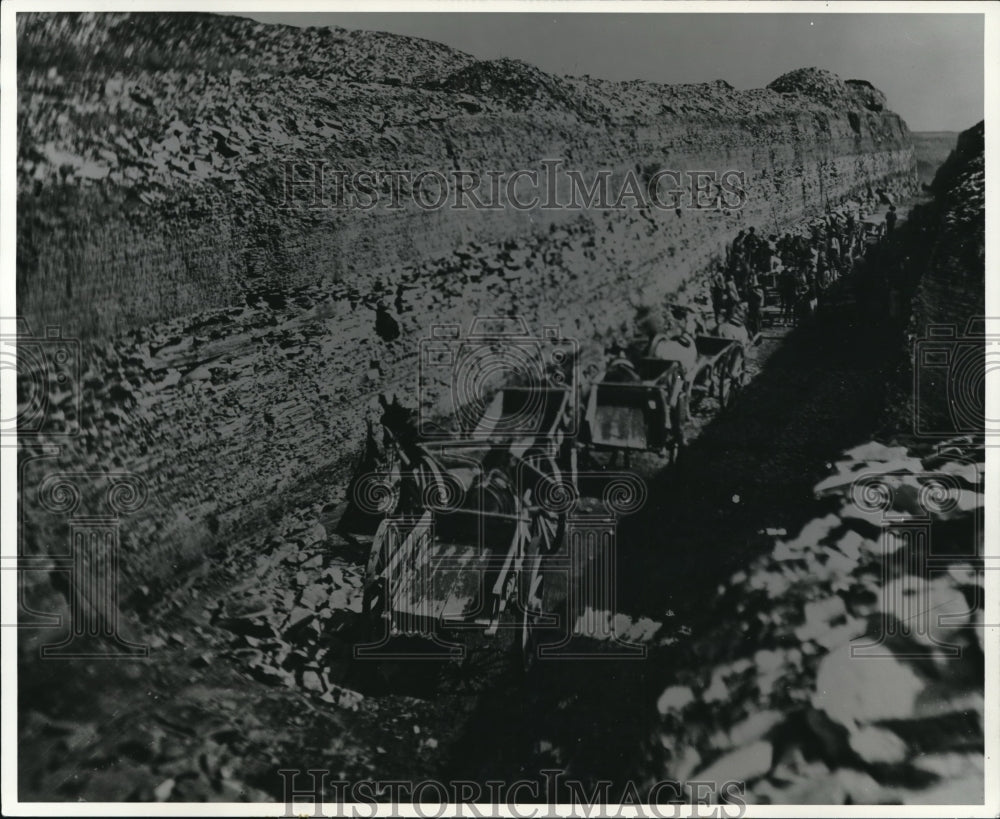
{"x": 677, "y": 344}
{"x": 890, "y": 220}
{"x": 755, "y": 302}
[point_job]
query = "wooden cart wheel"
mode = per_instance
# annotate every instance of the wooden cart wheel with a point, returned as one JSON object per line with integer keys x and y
{"x": 542, "y": 537}
{"x": 373, "y": 604}
{"x": 531, "y": 619}
{"x": 725, "y": 390}
{"x": 732, "y": 381}
{"x": 547, "y": 536}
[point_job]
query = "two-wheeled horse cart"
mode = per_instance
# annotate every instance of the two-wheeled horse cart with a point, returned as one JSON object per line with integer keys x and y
{"x": 466, "y": 523}
{"x": 640, "y": 406}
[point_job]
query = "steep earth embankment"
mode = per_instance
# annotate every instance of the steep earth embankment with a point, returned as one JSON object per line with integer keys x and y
{"x": 941, "y": 387}
{"x": 229, "y": 345}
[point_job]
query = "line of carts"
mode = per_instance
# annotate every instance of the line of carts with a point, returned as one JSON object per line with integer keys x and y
{"x": 463, "y": 529}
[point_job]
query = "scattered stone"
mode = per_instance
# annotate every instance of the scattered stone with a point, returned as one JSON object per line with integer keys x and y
{"x": 162, "y": 791}
{"x": 250, "y": 627}
{"x": 844, "y": 786}
{"x": 314, "y": 562}
{"x": 742, "y": 765}
{"x": 948, "y": 765}
{"x": 342, "y": 697}
{"x": 753, "y": 727}
{"x": 793, "y": 766}
{"x": 298, "y": 616}
{"x": 819, "y": 615}
{"x": 878, "y": 745}
{"x": 675, "y": 698}
{"x": 865, "y": 689}
{"x": 270, "y": 675}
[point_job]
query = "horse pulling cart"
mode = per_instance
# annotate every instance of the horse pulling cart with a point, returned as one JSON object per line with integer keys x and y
{"x": 641, "y": 406}
{"x": 465, "y": 524}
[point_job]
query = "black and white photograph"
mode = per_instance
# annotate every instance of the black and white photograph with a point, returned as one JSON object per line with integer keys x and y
{"x": 499, "y": 409}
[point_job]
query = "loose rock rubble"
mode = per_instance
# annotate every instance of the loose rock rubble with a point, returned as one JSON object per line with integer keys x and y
{"x": 861, "y": 680}
{"x": 297, "y": 620}
{"x": 152, "y": 762}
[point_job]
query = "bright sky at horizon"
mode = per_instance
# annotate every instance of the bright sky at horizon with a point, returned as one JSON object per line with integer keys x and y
{"x": 930, "y": 66}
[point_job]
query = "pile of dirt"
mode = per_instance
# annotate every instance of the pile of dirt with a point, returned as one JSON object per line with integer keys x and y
{"x": 828, "y": 88}
{"x": 516, "y": 84}
{"x": 295, "y": 620}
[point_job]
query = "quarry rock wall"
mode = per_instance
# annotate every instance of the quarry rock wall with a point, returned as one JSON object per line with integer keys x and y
{"x": 227, "y": 328}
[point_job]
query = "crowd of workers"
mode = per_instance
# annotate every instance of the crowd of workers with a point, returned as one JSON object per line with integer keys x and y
{"x": 782, "y": 276}
{"x": 793, "y": 270}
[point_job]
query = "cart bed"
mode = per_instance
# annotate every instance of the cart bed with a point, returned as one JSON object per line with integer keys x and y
{"x": 435, "y": 581}
{"x": 628, "y": 416}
